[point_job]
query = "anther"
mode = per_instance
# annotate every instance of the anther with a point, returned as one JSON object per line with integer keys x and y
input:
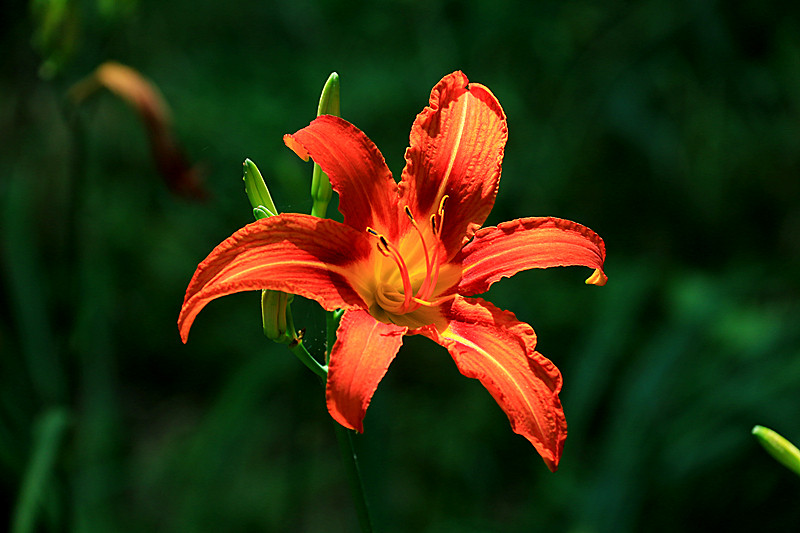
{"x": 390, "y": 251}
{"x": 426, "y": 283}
{"x": 441, "y": 204}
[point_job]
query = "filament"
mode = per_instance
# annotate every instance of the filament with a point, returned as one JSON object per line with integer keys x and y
{"x": 426, "y": 289}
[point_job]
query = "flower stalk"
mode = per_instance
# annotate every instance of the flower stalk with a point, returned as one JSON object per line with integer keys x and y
{"x": 297, "y": 347}
{"x": 321, "y": 194}
{"x": 344, "y": 437}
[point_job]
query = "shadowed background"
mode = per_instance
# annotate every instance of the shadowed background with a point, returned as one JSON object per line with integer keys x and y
{"x": 670, "y": 128}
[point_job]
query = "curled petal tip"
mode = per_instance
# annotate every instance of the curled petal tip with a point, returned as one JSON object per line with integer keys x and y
{"x": 295, "y": 147}
{"x": 184, "y": 332}
{"x": 597, "y": 278}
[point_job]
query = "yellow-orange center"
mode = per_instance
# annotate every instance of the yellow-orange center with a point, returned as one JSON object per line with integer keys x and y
{"x": 408, "y": 273}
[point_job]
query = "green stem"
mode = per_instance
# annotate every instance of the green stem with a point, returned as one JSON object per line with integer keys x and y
{"x": 299, "y": 350}
{"x": 344, "y": 437}
{"x": 346, "y": 448}
{"x": 294, "y": 342}
{"x": 332, "y": 324}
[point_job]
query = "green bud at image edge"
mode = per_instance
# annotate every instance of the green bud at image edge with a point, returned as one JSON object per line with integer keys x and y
{"x": 781, "y": 449}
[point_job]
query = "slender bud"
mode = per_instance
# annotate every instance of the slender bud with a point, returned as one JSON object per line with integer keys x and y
{"x": 273, "y": 315}
{"x": 257, "y": 191}
{"x": 321, "y": 192}
{"x": 274, "y": 304}
{"x": 780, "y": 448}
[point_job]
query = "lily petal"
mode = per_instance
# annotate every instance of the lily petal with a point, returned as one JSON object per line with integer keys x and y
{"x": 456, "y": 149}
{"x": 492, "y": 346}
{"x": 292, "y": 253}
{"x": 502, "y": 251}
{"x": 362, "y": 353}
{"x": 356, "y": 168}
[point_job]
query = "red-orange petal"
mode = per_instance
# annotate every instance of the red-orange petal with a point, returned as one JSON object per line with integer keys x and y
{"x": 456, "y": 149}
{"x": 356, "y": 168}
{"x": 362, "y": 353}
{"x": 292, "y": 253}
{"x": 492, "y": 346}
{"x": 502, "y": 251}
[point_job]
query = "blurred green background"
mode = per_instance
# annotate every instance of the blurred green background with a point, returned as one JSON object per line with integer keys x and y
{"x": 672, "y": 128}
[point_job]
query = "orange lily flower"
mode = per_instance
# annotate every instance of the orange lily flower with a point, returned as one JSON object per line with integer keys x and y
{"x": 409, "y": 257}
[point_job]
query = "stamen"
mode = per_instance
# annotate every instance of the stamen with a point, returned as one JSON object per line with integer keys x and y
{"x": 382, "y": 250}
{"x": 424, "y": 287}
{"x": 436, "y": 302}
{"x": 441, "y": 204}
{"x": 440, "y": 212}
{"x": 390, "y": 251}
{"x": 437, "y": 231}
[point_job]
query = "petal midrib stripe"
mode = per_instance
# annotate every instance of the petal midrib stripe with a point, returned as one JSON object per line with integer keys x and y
{"x": 459, "y": 135}
{"x": 239, "y": 273}
{"x": 460, "y": 339}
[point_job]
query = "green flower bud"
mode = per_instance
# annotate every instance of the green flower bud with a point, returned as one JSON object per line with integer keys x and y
{"x": 780, "y": 448}
{"x": 256, "y": 189}
{"x": 274, "y": 304}
{"x": 262, "y": 212}
{"x": 273, "y": 315}
{"x": 329, "y": 99}
{"x": 321, "y": 191}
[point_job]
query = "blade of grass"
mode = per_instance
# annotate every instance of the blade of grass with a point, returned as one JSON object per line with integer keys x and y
{"x": 49, "y": 434}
